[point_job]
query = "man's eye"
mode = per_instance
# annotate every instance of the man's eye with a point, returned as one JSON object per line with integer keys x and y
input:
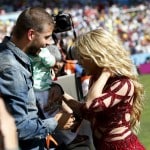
{"x": 48, "y": 37}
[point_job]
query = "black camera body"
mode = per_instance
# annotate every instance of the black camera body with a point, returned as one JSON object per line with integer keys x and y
{"x": 63, "y": 22}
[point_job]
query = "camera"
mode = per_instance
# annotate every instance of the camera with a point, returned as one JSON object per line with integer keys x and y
{"x": 63, "y": 22}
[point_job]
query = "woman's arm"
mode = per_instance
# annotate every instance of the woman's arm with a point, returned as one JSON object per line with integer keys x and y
{"x": 97, "y": 87}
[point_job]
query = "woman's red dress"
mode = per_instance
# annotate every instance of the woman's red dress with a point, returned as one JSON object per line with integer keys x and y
{"x": 106, "y": 118}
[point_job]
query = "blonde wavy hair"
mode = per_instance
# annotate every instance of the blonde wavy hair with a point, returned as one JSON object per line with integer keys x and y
{"x": 106, "y": 51}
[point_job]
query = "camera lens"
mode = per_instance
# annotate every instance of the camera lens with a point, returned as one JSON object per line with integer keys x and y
{"x": 63, "y": 23}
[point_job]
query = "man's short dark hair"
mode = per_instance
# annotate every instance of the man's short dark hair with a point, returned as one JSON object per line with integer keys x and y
{"x": 32, "y": 18}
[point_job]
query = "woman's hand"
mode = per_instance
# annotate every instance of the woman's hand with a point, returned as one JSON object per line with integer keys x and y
{"x": 97, "y": 87}
{"x": 65, "y": 120}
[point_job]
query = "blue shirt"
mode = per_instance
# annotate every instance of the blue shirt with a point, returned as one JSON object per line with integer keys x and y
{"x": 16, "y": 87}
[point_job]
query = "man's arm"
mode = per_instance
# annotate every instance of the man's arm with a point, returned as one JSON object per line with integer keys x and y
{"x": 17, "y": 89}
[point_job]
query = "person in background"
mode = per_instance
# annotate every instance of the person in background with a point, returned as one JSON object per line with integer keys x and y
{"x": 69, "y": 65}
{"x": 8, "y": 131}
{"x": 32, "y": 31}
{"x": 115, "y": 98}
{"x": 72, "y": 66}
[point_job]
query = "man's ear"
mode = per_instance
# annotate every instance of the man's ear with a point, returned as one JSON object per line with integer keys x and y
{"x": 31, "y": 34}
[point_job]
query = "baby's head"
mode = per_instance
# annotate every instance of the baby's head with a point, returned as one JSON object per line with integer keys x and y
{"x": 54, "y": 50}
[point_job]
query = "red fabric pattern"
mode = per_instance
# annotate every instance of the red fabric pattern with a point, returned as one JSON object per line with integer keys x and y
{"x": 107, "y": 118}
{"x": 130, "y": 143}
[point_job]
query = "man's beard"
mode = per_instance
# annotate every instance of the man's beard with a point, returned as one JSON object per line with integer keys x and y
{"x": 32, "y": 50}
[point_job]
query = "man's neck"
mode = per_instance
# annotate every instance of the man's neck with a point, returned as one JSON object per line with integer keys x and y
{"x": 20, "y": 43}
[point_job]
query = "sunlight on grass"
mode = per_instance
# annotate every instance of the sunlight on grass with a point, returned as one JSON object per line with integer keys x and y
{"x": 144, "y": 134}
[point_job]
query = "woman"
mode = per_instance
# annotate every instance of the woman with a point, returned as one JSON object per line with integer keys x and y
{"x": 115, "y": 98}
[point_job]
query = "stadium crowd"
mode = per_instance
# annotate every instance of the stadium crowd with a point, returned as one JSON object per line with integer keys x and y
{"x": 130, "y": 23}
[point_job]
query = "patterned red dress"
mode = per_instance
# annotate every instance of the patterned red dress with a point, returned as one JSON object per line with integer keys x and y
{"x": 110, "y": 115}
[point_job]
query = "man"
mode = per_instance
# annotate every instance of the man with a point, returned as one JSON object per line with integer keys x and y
{"x": 32, "y": 31}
